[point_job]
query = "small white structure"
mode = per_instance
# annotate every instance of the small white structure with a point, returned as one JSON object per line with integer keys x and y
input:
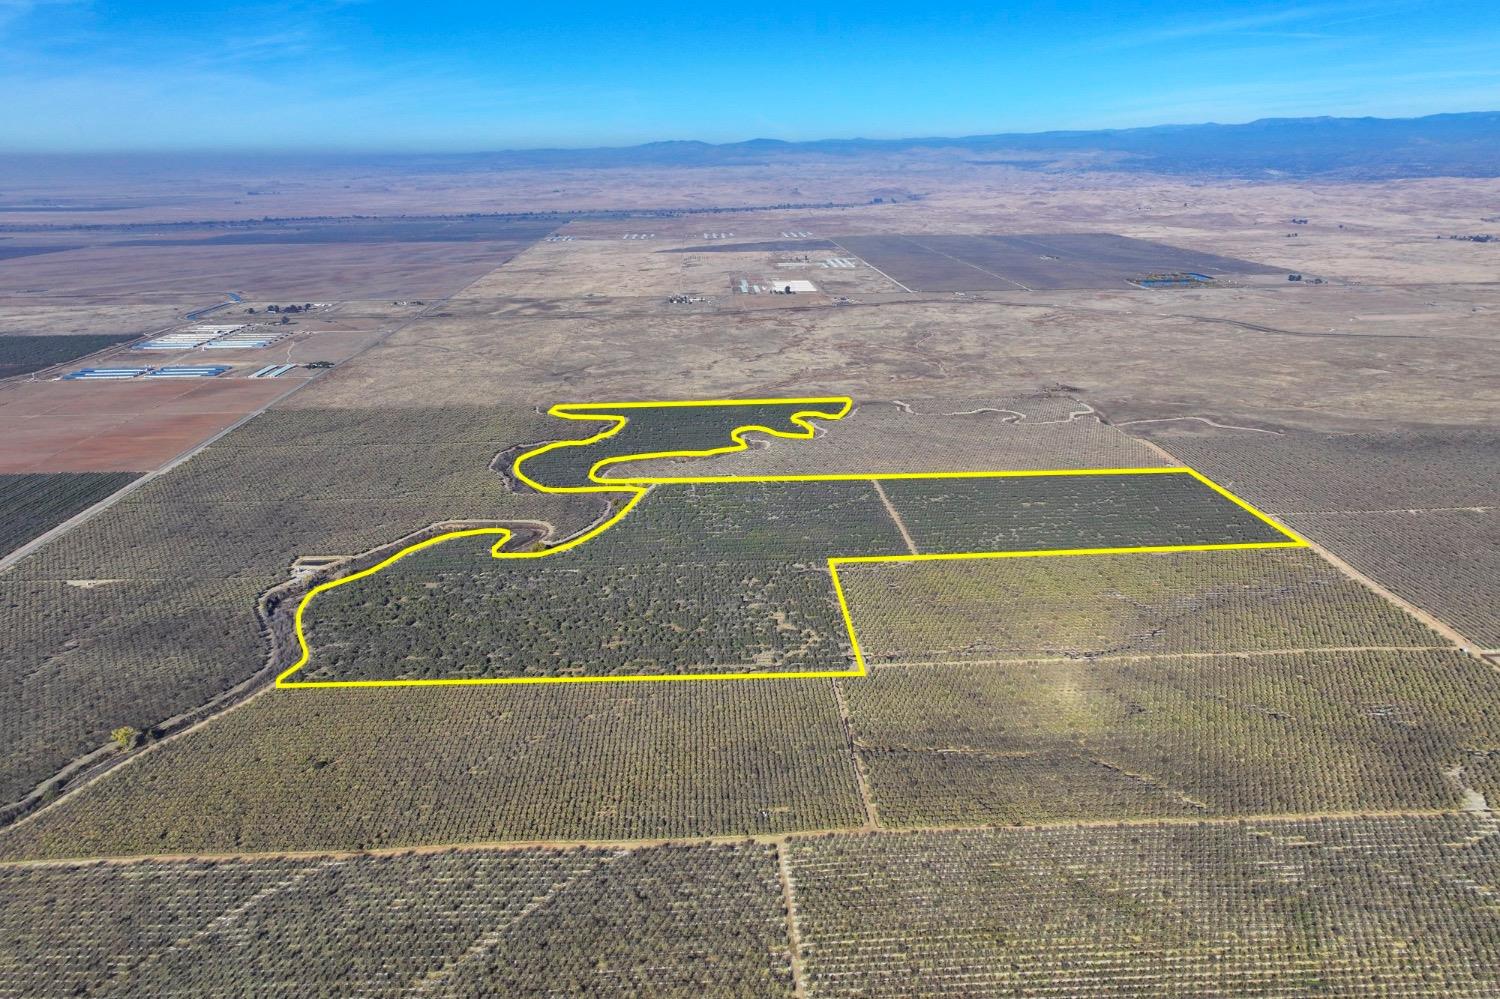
{"x": 230, "y": 337}
{"x": 783, "y": 286}
{"x": 104, "y": 374}
{"x": 246, "y": 341}
{"x": 188, "y": 371}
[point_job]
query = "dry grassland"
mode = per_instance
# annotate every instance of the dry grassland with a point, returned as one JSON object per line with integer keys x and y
{"x": 302, "y": 272}
{"x": 1130, "y": 367}
{"x": 1037, "y": 432}
{"x": 66, "y": 318}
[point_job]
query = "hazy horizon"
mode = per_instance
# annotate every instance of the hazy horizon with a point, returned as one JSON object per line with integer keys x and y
{"x": 394, "y": 152}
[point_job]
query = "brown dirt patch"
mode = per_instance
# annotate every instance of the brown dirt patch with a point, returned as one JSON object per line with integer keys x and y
{"x": 118, "y": 427}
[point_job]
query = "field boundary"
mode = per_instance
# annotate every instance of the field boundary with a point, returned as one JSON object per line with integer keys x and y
{"x": 635, "y": 489}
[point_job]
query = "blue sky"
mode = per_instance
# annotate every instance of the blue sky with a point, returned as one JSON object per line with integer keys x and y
{"x": 444, "y": 75}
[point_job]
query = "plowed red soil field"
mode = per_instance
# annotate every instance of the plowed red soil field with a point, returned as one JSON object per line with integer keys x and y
{"x": 131, "y": 426}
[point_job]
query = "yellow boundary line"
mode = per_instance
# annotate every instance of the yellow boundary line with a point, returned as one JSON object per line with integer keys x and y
{"x": 831, "y": 408}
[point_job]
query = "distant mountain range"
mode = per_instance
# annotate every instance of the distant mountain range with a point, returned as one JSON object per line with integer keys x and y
{"x": 1462, "y": 145}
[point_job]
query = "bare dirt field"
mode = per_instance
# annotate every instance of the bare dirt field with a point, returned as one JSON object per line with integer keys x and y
{"x": 118, "y": 426}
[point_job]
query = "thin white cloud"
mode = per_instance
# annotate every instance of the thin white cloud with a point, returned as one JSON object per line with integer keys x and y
{"x": 1205, "y": 27}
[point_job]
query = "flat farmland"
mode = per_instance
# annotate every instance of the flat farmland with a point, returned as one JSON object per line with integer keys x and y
{"x": 1298, "y": 472}
{"x": 89, "y": 655}
{"x": 132, "y": 426}
{"x": 1358, "y": 908}
{"x": 1325, "y": 732}
{"x": 10, "y": 251}
{"x": 1033, "y": 262}
{"x": 764, "y": 246}
{"x": 299, "y": 425}
{"x": 395, "y": 767}
{"x": 295, "y": 232}
{"x": 620, "y": 269}
{"x": 1444, "y": 561}
{"x": 1412, "y": 509}
{"x": 148, "y": 610}
{"x": 1188, "y": 775}
{"x": 1084, "y": 606}
{"x": 158, "y": 533}
{"x": 1004, "y": 513}
{"x": 30, "y": 505}
{"x": 22, "y": 354}
{"x": 703, "y": 920}
{"x": 302, "y": 271}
